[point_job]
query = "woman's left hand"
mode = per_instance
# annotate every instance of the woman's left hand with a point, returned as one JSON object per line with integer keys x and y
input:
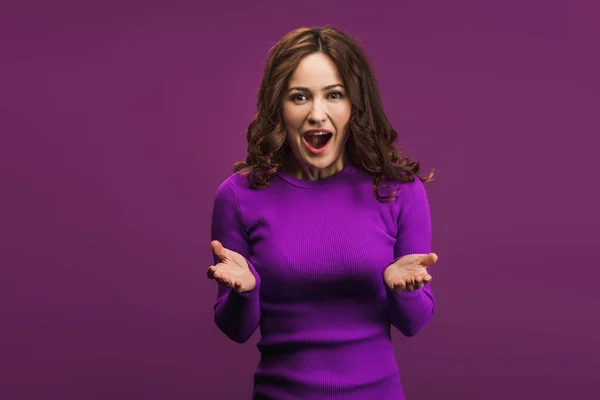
{"x": 409, "y": 272}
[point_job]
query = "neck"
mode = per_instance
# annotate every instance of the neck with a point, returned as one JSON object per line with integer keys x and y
{"x": 301, "y": 171}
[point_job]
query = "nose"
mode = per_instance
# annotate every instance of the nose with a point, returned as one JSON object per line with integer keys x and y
{"x": 317, "y": 113}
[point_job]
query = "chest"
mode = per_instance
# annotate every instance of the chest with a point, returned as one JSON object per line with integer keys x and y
{"x": 320, "y": 250}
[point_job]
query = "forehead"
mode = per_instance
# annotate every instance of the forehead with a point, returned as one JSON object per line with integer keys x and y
{"x": 315, "y": 70}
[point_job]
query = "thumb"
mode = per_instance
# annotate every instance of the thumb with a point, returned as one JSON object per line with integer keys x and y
{"x": 218, "y": 249}
{"x": 429, "y": 259}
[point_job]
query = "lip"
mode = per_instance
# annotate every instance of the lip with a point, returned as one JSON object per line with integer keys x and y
{"x": 316, "y": 151}
{"x": 309, "y": 147}
{"x": 316, "y": 130}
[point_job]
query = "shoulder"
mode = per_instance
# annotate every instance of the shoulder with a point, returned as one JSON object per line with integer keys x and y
{"x": 403, "y": 189}
{"x": 409, "y": 197}
{"x": 235, "y": 190}
{"x": 233, "y": 182}
{"x": 412, "y": 200}
{"x": 230, "y": 187}
{"x": 412, "y": 188}
{"x": 416, "y": 190}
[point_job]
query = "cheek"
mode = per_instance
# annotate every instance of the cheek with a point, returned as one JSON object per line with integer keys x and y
{"x": 343, "y": 117}
{"x": 293, "y": 136}
{"x": 290, "y": 121}
{"x": 343, "y": 109}
{"x": 291, "y": 117}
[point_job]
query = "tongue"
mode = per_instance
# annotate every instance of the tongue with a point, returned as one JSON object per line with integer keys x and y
{"x": 317, "y": 141}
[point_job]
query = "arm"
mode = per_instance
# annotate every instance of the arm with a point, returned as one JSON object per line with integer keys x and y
{"x": 411, "y": 311}
{"x": 236, "y": 314}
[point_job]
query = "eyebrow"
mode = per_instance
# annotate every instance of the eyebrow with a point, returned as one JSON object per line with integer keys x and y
{"x": 308, "y": 90}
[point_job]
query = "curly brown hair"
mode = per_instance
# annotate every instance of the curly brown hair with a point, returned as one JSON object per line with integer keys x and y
{"x": 371, "y": 138}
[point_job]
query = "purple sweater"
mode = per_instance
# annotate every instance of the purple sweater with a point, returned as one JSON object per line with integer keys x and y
{"x": 318, "y": 250}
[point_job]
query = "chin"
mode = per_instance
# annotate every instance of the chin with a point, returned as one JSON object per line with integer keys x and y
{"x": 319, "y": 162}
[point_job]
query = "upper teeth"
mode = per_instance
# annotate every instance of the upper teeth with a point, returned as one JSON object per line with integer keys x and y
{"x": 318, "y": 133}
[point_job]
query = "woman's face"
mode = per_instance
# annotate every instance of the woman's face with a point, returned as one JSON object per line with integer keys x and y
{"x": 316, "y": 111}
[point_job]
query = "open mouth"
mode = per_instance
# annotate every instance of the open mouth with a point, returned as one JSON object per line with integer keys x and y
{"x": 317, "y": 140}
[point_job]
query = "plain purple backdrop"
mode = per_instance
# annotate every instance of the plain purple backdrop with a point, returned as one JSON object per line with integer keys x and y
{"x": 119, "y": 121}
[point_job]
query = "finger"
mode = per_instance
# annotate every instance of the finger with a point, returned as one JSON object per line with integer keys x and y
{"x": 237, "y": 286}
{"x": 418, "y": 285}
{"x": 216, "y": 275}
{"x": 398, "y": 288}
{"x": 223, "y": 281}
{"x": 429, "y": 259}
{"x": 210, "y": 272}
{"x": 218, "y": 250}
{"x": 409, "y": 284}
{"x": 220, "y": 277}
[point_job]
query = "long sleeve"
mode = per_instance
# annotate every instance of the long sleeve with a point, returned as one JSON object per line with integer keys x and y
{"x": 236, "y": 314}
{"x": 411, "y": 311}
{"x": 321, "y": 247}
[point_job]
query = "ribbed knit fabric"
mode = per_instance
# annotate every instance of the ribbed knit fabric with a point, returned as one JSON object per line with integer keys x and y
{"x": 318, "y": 250}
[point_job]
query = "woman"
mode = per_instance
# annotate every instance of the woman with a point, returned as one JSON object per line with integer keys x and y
{"x": 322, "y": 236}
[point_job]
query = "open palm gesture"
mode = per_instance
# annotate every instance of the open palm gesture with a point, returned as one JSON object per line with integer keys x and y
{"x": 409, "y": 272}
{"x": 232, "y": 271}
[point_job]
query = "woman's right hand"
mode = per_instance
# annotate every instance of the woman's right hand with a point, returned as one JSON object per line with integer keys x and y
{"x": 232, "y": 271}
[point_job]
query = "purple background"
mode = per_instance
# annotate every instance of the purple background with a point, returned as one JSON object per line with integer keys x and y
{"x": 118, "y": 123}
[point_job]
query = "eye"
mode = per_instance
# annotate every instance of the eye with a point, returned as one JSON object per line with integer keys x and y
{"x": 336, "y": 95}
{"x": 298, "y": 97}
